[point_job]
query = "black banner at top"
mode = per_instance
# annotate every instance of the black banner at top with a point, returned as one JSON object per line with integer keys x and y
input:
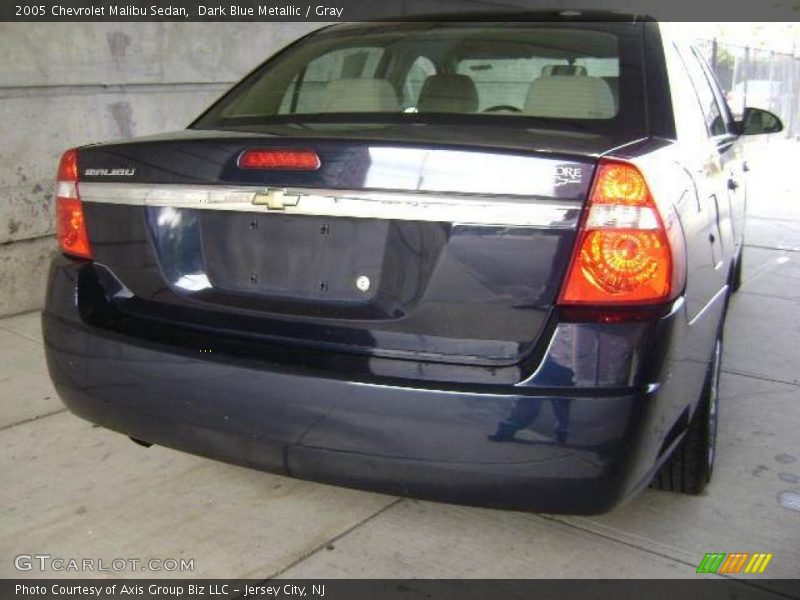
{"x": 362, "y": 10}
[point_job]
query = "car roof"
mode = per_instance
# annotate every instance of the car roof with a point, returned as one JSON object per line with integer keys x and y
{"x": 511, "y": 15}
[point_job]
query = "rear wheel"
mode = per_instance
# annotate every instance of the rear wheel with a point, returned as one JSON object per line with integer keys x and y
{"x": 736, "y": 278}
{"x": 689, "y": 468}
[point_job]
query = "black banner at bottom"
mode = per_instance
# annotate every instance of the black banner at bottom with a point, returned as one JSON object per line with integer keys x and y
{"x": 412, "y": 589}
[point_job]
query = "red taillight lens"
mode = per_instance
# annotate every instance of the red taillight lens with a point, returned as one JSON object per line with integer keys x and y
{"x": 271, "y": 158}
{"x": 621, "y": 266}
{"x": 68, "y": 167}
{"x": 72, "y": 227}
{"x": 624, "y": 254}
{"x": 70, "y": 222}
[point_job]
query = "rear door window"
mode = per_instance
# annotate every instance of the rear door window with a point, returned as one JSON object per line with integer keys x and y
{"x": 711, "y": 77}
{"x": 712, "y": 113}
{"x": 690, "y": 119}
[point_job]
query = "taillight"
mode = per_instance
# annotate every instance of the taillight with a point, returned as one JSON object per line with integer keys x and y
{"x": 70, "y": 222}
{"x": 272, "y": 158}
{"x": 625, "y": 253}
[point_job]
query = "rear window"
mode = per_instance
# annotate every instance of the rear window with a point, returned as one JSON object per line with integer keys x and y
{"x": 582, "y": 73}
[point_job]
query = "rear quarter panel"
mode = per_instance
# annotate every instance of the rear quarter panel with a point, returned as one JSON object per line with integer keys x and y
{"x": 701, "y": 314}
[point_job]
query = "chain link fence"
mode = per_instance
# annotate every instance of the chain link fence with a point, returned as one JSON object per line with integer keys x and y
{"x": 758, "y": 78}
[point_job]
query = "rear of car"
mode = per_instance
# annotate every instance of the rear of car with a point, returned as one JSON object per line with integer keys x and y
{"x": 435, "y": 259}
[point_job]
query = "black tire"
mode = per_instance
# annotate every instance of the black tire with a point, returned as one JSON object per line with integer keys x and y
{"x": 691, "y": 465}
{"x": 736, "y": 278}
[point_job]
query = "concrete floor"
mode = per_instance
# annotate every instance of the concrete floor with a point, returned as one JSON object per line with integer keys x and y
{"x": 73, "y": 490}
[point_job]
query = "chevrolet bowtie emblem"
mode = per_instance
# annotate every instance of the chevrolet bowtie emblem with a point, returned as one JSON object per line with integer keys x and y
{"x": 275, "y": 199}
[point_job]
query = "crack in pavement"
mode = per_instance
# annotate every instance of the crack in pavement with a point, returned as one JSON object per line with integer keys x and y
{"x": 760, "y": 377}
{"x": 630, "y": 544}
{"x": 32, "y": 419}
{"x": 319, "y": 547}
{"x": 776, "y": 248}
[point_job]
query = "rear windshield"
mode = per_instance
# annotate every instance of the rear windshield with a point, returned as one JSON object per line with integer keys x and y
{"x": 584, "y": 74}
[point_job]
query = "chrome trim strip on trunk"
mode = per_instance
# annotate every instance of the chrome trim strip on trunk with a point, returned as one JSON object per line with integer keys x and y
{"x": 464, "y": 209}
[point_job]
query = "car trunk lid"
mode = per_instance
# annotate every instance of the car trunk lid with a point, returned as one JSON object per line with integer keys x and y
{"x": 418, "y": 250}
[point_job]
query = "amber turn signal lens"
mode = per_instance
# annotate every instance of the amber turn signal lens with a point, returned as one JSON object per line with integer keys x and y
{"x": 619, "y": 183}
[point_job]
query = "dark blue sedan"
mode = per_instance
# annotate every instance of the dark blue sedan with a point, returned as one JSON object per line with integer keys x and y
{"x": 484, "y": 262}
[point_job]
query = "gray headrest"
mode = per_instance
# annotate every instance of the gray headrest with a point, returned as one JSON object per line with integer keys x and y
{"x": 359, "y": 95}
{"x": 448, "y": 93}
{"x": 570, "y": 98}
{"x": 573, "y": 70}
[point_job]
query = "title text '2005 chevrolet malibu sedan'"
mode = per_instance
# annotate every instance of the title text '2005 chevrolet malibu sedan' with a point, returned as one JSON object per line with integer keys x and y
{"x": 484, "y": 261}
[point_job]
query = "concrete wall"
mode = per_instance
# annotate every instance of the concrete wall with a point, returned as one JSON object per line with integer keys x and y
{"x": 63, "y": 85}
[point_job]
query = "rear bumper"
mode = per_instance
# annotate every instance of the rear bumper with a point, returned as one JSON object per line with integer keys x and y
{"x": 572, "y": 451}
